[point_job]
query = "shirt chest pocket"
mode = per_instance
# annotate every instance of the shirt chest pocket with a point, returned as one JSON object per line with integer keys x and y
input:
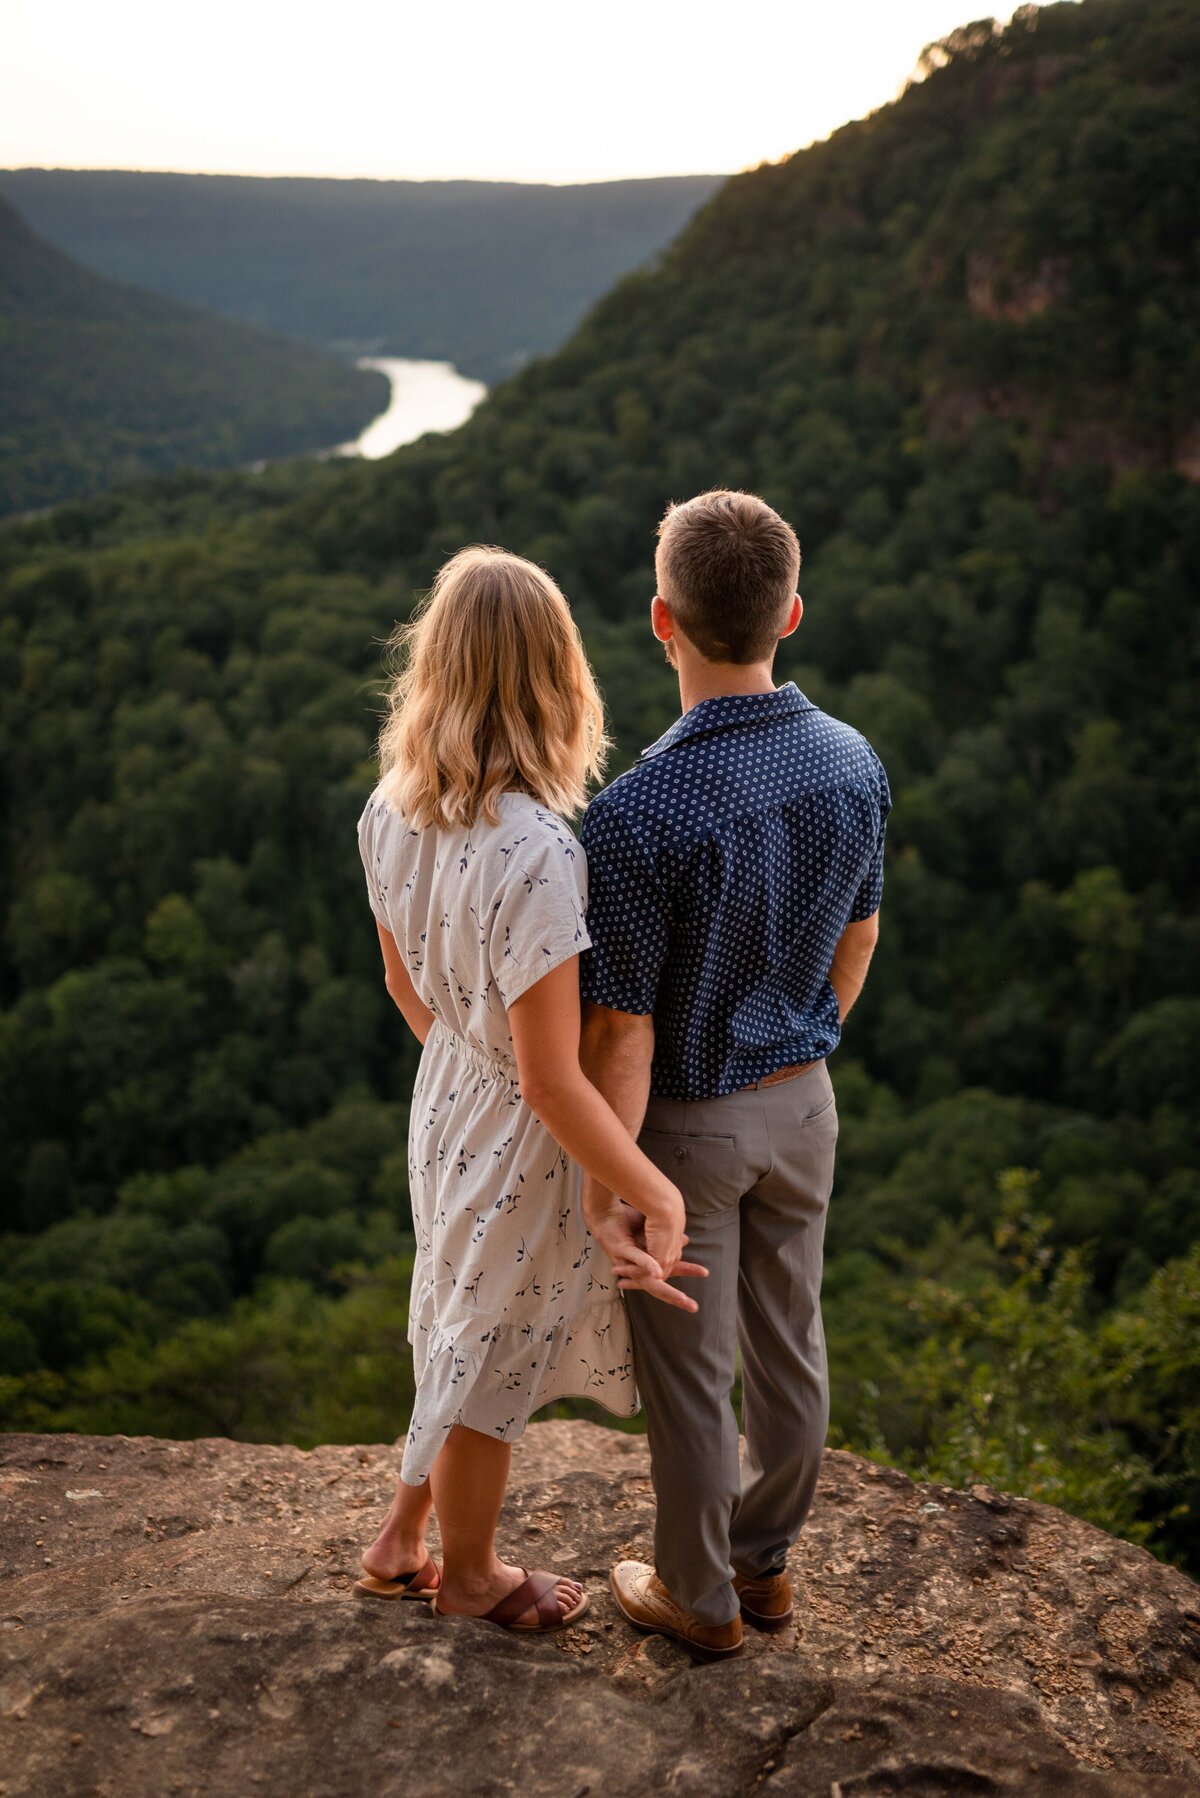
{"x": 708, "y": 1170}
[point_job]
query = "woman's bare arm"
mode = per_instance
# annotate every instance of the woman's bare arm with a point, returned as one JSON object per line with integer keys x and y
{"x": 417, "y": 1014}
{"x": 545, "y": 1030}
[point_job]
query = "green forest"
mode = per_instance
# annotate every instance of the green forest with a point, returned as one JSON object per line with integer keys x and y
{"x": 484, "y": 274}
{"x": 957, "y": 345}
{"x": 100, "y": 383}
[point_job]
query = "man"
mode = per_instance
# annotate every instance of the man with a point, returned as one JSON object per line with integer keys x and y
{"x": 735, "y": 875}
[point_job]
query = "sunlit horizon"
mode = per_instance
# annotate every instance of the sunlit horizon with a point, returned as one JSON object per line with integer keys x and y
{"x": 537, "y": 96}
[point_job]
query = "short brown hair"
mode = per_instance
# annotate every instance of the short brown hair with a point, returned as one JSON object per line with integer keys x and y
{"x": 727, "y": 570}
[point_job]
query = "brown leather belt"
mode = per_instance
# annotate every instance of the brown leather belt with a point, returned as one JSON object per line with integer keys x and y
{"x": 782, "y": 1074}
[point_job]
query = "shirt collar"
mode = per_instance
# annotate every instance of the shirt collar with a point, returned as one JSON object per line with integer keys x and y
{"x": 727, "y": 712}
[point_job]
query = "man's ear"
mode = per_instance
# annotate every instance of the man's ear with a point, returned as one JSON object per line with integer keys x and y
{"x": 794, "y": 617}
{"x": 661, "y": 621}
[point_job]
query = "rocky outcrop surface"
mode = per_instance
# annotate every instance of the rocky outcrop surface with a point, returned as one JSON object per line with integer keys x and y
{"x": 180, "y": 1618}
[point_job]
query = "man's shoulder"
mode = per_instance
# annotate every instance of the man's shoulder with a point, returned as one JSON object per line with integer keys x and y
{"x": 847, "y": 744}
{"x": 629, "y": 816}
{"x": 650, "y": 801}
{"x": 631, "y": 796}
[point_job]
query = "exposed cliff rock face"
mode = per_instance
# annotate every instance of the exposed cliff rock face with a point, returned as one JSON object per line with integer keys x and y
{"x": 180, "y": 1617}
{"x": 993, "y": 292}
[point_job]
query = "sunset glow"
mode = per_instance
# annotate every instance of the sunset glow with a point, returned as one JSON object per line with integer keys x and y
{"x": 530, "y": 92}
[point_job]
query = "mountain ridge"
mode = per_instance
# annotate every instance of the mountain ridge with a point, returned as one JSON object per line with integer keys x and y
{"x": 481, "y": 274}
{"x": 99, "y": 380}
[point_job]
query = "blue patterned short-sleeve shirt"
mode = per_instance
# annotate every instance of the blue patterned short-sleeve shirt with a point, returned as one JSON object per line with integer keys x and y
{"x": 722, "y": 869}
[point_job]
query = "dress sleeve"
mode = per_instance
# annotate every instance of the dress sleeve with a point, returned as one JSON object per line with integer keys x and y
{"x": 539, "y": 915}
{"x": 629, "y": 916}
{"x": 367, "y": 849}
{"x": 870, "y": 892}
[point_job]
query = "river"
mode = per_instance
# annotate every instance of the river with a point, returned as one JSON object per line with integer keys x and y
{"x": 426, "y": 396}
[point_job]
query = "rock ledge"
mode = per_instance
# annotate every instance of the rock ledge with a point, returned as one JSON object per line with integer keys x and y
{"x": 180, "y": 1617}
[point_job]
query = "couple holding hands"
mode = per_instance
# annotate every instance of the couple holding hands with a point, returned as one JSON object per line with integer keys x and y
{"x": 623, "y": 1080}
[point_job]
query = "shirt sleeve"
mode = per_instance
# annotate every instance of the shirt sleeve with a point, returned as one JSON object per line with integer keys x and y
{"x": 870, "y": 892}
{"x": 628, "y": 915}
{"x": 370, "y": 860}
{"x": 538, "y": 917}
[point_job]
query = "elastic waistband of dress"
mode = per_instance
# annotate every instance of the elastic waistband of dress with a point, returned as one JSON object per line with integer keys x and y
{"x": 465, "y": 1051}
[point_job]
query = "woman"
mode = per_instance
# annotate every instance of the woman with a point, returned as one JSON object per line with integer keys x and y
{"x": 479, "y": 891}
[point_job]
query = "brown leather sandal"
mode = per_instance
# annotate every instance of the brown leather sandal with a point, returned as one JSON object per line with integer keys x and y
{"x": 536, "y": 1590}
{"x": 422, "y": 1583}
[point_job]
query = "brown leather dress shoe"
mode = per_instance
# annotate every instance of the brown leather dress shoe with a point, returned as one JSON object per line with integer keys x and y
{"x": 766, "y": 1603}
{"x": 646, "y": 1602}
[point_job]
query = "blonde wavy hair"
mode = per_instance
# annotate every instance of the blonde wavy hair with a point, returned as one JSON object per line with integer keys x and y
{"x": 493, "y": 692}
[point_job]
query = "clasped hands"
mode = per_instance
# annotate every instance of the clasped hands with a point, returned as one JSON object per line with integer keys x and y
{"x": 644, "y": 1251}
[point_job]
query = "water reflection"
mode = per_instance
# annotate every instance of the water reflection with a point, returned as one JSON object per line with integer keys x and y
{"x": 426, "y": 396}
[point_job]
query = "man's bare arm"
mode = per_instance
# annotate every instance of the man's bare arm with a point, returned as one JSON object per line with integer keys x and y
{"x": 851, "y": 959}
{"x": 545, "y": 1023}
{"x": 616, "y": 1050}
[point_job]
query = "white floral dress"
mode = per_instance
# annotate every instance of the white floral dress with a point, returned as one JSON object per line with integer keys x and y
{"x": 513, "y": 1303}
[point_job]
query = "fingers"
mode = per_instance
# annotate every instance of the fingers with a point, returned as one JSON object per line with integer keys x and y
{"x": 626, "y": 1253}
{"x": 679, "y": 1270}
{"x": 659, "y": 1289}
{"x": 628, "y": 1258}
{"x": 664, "y": 1244}
{"x": 645, "y": 1269}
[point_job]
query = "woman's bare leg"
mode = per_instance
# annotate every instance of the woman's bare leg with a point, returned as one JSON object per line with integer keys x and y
{"x": 468, "y": 1482}
{"x": 400, "y": 1545}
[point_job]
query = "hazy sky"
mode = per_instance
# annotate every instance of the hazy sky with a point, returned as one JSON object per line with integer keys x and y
{"x": 532, "y": 90}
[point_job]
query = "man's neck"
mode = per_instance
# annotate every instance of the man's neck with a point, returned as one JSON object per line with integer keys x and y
{"x": 700, "y": 680}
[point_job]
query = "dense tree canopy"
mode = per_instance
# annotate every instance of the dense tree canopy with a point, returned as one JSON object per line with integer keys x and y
{"x": 953, "y": 345}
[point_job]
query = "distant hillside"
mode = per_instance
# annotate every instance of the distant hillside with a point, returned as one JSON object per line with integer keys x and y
{"x": 957, "y": 344}
{"x": 482, "y": 274}
{"x": 100, "y": 383}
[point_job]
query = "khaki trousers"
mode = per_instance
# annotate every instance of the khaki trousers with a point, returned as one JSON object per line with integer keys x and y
{"x": 756, "y": 1171}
